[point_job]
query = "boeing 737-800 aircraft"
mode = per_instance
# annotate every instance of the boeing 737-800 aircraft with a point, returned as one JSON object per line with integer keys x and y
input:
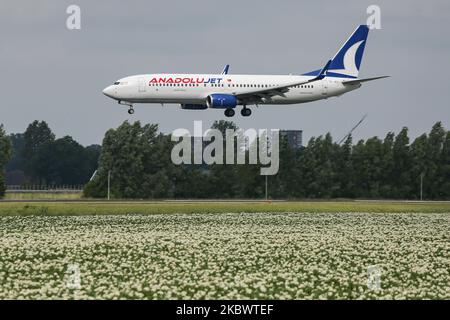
{"x": 225, "y": 91}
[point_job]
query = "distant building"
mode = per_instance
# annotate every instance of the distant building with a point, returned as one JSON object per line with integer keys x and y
{"x": 294, "y": 137}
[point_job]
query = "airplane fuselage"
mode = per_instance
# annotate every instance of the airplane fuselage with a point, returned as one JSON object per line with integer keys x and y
{"x": 195, "y": 88}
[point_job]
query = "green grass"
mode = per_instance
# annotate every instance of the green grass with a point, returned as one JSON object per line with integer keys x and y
{"x": 76, "y": 195}
{"x": 129, "y": 207}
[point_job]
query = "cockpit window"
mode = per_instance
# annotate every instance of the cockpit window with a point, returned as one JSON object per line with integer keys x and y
{"x": 116, "y": 83}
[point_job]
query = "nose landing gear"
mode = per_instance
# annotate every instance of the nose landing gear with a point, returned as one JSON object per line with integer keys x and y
{"x": 130, "y": 105}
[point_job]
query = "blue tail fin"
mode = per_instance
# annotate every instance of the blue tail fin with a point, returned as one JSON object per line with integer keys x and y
{"x": 347, "y": 61}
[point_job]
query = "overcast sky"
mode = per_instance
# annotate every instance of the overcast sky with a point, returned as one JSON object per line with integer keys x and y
{"x": 50, "y": 73}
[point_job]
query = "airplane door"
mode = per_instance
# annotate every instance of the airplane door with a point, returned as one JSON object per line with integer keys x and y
{"x": 324, "y": 88}
{"x": 142, "y": 86}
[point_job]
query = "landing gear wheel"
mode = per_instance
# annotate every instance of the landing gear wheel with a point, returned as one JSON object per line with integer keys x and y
{"x": 246, "y": 112}
{"x": 229, "y": 112}
{"x": 131, "y": 111}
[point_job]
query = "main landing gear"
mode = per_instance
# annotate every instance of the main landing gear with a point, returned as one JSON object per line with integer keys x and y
{"x": 131, "y": 110}
{"x": 246, "y": 112}
{"x": 229, "y": 112}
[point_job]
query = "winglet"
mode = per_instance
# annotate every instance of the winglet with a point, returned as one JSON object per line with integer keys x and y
{"x": 323, "y": 72}
{"x": 225, "y": 69}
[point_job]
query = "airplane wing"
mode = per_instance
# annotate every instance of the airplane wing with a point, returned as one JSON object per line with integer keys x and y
{"x": 257, "y": 95}
{"x": 225, "y": 69}
{"x": 364, "y": 80}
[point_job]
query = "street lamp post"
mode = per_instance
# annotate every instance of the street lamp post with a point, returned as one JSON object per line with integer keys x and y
{"x": 267, "y": 197}
{"x": 109, "y": 183}
{"x": 421, "y": 186}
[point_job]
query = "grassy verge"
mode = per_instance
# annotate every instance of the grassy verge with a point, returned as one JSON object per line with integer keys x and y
{"x": 43, "y": 195}
{"x": 115, "y": 208}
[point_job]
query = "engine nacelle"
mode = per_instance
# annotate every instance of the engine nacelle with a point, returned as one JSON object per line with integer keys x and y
{"x": 194, "y": 106}
{"x": 224, "y": 101}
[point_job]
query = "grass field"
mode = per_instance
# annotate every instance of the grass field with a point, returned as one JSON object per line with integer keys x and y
{"x": 224, "y": 250}
{"x": 73, "y": 195}
{"x": 130, "y": 207}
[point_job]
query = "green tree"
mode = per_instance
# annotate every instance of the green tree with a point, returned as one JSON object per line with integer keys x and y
{"x": 387, "y": 163}
{"x": 444, "y": 171}
{"x": 139, "y": 161}
{"x": 344, "y": 173}
{"x": 316, "y": 168}
{"x": 400, "y": 175}
{"x": 63, "y": 161}
{"x": 418, "y": 164}
{"x": 367, "y": 160}
{"x": 17, "y": 161}
{"x": 91, "y": 156}
{"x": 284, "y": 183}
{"x": 435, "y": 146}
{"x": 224, "y": 179}
{"x": 36, "y": 136}
{"x": 5, "y": 154}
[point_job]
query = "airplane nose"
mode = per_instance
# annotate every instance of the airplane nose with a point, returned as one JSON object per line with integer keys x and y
{"x": 109, "y": 92}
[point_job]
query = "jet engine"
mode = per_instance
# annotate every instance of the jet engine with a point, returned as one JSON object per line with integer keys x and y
{"x": 224, "y": 101}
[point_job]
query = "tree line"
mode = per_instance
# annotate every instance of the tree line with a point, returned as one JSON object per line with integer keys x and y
{"x": 36, "y": 157}
{"x": 135, "y": 159}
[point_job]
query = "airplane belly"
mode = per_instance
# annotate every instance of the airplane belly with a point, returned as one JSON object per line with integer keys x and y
{"x": 294, "y": 98}
{"x": 172, "y": 95}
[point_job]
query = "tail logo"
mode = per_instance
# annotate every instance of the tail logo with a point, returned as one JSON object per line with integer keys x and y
{"x": 350, "y": 68}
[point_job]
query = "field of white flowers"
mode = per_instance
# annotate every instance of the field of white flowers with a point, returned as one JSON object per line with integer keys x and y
{"x": 226, "y": 256}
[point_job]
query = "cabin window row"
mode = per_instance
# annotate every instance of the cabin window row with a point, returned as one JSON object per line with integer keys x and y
{"x": 306, "y": 86}
{"x": 222, "y": 85}
{"x": 174, "y": 84}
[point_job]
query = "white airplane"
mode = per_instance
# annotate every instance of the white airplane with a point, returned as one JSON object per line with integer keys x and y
{"x": 225, "y": 91}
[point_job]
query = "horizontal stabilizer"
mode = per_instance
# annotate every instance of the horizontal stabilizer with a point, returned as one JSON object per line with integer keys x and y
{"x": 324, "y": 71}
{"x": 364, "y": 80}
